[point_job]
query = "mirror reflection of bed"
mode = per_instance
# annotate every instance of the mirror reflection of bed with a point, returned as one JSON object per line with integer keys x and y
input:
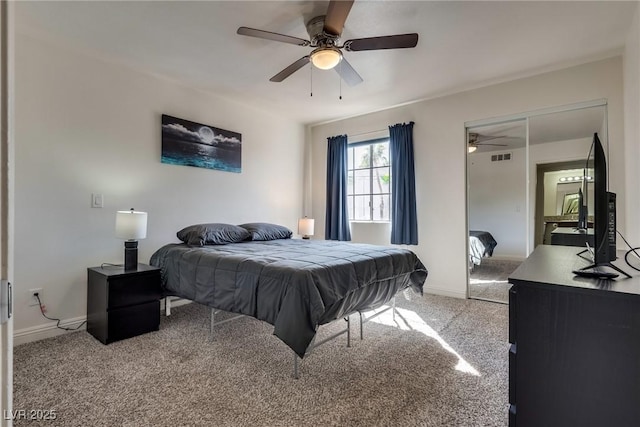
{"x": 488, "y": 276}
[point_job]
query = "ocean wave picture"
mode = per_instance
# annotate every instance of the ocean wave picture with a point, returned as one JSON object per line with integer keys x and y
{"x": 188, "y": 143}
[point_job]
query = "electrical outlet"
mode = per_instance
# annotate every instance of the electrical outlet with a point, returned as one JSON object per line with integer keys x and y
{"x": 33, "y": 301}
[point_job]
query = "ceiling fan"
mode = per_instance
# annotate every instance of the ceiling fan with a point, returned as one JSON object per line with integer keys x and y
{"x": 324, "y": 33}
{"x": 476, "y": 140}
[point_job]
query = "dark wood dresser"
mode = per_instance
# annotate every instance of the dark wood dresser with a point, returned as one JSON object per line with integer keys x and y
{"x": 574, "y": 358}
{"x": 122, "y": 304}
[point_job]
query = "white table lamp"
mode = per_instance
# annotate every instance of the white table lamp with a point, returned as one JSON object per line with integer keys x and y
{"x": 305, "y": 227}
{"x": 131, "y": 226}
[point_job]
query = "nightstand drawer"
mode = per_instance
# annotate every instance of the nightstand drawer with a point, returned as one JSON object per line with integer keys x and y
{"x": 133, "y": 289}
{"x": 129, "y": 322}
{"x": 122, "y": 303}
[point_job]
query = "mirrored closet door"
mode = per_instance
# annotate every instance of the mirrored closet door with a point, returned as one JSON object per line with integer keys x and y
{"x": 524, "y": 176}
{"x": 559, "y": 154}
{"x": 497, "y": 202}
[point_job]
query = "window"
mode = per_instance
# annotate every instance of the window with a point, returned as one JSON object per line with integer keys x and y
{"x": 369, "y": 180}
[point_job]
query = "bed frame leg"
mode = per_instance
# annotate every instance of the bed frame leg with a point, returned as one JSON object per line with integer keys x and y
{"x": 361, "y": 327}
{"x": 348, "y": 319}
{"x": 213, "y": 322}
{"x": 167, "y": 306}
{"x": 295, "y": 366}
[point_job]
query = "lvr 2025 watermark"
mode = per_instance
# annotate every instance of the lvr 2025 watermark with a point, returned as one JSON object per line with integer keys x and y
{"x": 30, "y": 414}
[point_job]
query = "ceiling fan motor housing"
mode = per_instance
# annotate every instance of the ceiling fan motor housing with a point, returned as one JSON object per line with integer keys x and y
{"x": 315, "y": 28}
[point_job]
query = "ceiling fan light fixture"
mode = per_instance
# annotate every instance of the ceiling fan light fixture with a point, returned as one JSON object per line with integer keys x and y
{"x": 471, "y": 148}
{"x": 325, "y": 58}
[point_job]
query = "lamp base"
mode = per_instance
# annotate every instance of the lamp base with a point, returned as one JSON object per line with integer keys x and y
{"x": 305, "y": 237}
{"x": 130, "y": 255}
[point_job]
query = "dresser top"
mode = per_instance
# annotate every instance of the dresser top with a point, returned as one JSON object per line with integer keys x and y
{"x": 553, "y": 265}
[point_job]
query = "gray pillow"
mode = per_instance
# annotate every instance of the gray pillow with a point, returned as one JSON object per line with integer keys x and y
{"x": 212, "y": 234}
{"x": 266, "y": 231}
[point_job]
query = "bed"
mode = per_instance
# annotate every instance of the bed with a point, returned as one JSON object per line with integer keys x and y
{"x": 295, "y": 285}
{"x": 481, "y": 245}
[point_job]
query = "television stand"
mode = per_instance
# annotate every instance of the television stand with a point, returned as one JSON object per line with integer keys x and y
{"x": 584, "y": 257}
{"x": 588, "y": 273}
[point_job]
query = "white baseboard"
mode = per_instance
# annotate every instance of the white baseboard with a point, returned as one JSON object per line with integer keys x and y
{"x": 508, "y": 258}
{"x": 47, "y": 330}
{"x": 444, "y": 292}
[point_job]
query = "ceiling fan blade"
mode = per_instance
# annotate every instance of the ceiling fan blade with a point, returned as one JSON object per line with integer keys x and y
{"x": 348, "y": 74}
{"x": 398, "y": 41}
{"x": 290, "y": 69}
{"x": 261, "y": 34}
{"x": 489, "y": 138}
{"x": 337, "y": 13}
{"x": 494, "y": 145}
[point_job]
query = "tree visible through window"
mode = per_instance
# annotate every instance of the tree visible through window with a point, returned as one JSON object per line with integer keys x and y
{"x": 369, "y": 180}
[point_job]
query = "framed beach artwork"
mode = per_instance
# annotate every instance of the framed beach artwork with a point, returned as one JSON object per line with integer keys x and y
{"x": 193, "y": 144}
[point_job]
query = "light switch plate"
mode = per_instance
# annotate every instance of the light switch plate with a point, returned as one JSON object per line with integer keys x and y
{"x": 97, "y": 200}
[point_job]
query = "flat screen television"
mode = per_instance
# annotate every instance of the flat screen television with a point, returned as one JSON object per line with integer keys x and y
{"x": 604, "y": 215}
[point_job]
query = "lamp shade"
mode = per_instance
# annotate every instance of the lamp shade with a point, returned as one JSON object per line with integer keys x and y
{"x": 131, "y": 225}
{"x": 326, "y": 58}
{"x": 306, "y": 226}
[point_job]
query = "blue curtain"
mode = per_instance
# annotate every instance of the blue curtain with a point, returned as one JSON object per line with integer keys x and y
{"x": 337, "y": 216}
{"x": 404, "y": 219}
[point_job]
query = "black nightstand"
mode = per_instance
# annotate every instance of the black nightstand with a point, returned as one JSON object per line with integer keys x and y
{"x": 122, "y": 304}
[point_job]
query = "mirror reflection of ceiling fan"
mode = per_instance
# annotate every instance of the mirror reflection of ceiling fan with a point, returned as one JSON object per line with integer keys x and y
{"x": 476, "y": 140}
{"x": 324, "y": 32}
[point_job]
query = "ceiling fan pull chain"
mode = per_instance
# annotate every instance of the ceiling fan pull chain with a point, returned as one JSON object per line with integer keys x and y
{"x": 340, "y": 79}
{"x": 311, "y": 80}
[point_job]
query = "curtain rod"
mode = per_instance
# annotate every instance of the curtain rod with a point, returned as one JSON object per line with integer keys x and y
{"x": 367, "y": 133}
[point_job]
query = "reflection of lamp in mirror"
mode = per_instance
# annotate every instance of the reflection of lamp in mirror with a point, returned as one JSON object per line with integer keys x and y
{"x": 306, "y": 227}
{"x": 131, "y": 226}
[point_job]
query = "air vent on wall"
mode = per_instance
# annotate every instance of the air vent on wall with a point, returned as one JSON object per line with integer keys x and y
{"x": 501, "y": 157}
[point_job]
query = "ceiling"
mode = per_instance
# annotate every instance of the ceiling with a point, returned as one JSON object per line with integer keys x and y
{"x": 462, "y": 45}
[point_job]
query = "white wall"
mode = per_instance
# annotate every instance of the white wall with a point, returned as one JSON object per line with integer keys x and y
{"x": 497, "y": 200}
{"x": 632, "y": 129}
{"x": 440, "y": 153}
{"x": 85, "y": 126}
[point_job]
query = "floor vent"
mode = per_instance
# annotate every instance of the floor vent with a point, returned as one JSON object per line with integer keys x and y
{"x": 501, "y": 157}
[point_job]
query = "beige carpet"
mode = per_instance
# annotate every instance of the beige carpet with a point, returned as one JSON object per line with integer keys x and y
{"x": 443, "y": 362}
{"x": 489, "y": 280}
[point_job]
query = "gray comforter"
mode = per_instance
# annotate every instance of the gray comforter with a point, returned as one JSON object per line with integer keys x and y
{"x": 295, "y": 285}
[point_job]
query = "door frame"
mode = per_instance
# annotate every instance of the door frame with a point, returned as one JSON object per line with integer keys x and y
{"x": 541, "y": 169}
{"x": 7, "y": 168}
